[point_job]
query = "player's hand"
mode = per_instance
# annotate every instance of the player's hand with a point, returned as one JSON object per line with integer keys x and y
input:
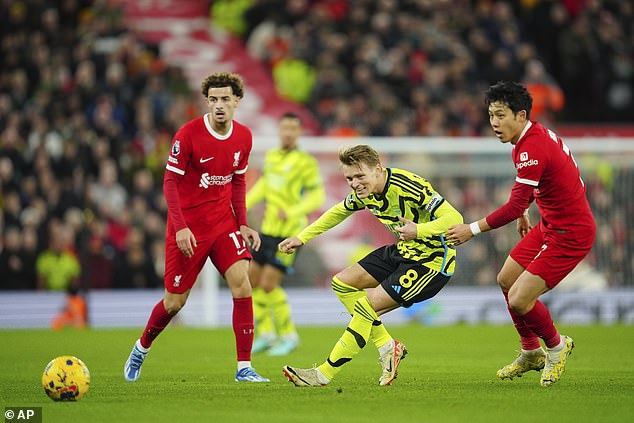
{"x": 408, "y": 231}
{"x": 289, "y": 245}
{"x": 524, "y": 225}
{"x": 251, "y": 236}
{"x": 458, "y": 234}
{"x": 186, "y": 242}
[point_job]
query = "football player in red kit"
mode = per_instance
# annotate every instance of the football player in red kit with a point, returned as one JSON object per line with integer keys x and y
{"x": 546, "y": 173}
{"x": 205, "y": 191}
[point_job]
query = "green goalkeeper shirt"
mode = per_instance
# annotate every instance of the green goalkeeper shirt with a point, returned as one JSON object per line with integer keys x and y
{"x": 409, "y": 196}
{"x": 291, "y": 187}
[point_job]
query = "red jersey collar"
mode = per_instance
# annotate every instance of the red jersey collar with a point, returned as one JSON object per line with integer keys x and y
{"x": 214, "y": 133}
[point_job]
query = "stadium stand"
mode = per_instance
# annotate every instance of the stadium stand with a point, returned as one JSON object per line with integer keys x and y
{"x": 88, "y": 108}
{"x": 419, "y": 67}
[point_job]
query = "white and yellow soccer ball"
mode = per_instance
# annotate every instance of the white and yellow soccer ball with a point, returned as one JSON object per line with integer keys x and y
{"x": 66, "y": 378}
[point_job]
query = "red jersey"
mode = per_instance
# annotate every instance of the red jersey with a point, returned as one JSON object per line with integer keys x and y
{"x": 206, "y": 163}
{"x": 544, "y": 162}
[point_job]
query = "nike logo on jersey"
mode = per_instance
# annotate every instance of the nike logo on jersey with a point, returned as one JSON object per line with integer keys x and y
{"x": 241, "y": 251}
{"x": 206, "y": 160}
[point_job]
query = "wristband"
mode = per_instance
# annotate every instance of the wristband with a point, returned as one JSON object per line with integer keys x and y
{"x": 475, "y": 228}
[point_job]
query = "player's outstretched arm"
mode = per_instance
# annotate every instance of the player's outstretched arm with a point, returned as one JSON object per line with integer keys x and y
{"x": 445, "y": 216}
{"x": 519, "y": 200}
{"x": 289, "y": 245}
{"x": 331, "y": 218}
{"x": 459, "y": 234}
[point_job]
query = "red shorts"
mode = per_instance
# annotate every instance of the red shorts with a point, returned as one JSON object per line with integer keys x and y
{"x": 550, "y": 254}
{"x": 224, "y": 247}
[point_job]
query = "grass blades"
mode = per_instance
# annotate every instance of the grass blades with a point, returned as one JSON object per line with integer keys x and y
{"x": 449, "y": 376}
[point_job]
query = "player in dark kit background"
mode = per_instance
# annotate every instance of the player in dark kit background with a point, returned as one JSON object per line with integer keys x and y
{"x": 205, "y": 190}
{"x": 548, "y": 174}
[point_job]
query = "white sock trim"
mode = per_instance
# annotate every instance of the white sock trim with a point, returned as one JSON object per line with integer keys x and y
{"x": 535, "y": 351}
{"x": 560, "y": 347}
{"x": 141, "y": 347}
{"x": 243, "y": 365}
{"x": 385, "y": 348}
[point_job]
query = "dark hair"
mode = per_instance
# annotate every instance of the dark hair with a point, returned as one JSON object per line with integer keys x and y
{"x": 513, "y": 94}
{"x": 290, "y": 115}
{"x": 223, "y": 79}
{"x": 355, "y": 155}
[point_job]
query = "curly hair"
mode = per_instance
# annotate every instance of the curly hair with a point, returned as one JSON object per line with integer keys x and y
{"x": 513, "y": 94}
{"x": 357, "y": 154}
{"x": 223, "y": 79}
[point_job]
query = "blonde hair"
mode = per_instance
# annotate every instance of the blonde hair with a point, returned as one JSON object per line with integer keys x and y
{"x": 223, "y": 79}
{"x": 357, "y": 154}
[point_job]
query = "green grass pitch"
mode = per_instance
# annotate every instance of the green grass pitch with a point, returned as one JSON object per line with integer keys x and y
{"x": 449, "y": 376}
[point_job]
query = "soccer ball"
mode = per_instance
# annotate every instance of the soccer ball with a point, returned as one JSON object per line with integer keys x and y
{"x": 66, "y": 378}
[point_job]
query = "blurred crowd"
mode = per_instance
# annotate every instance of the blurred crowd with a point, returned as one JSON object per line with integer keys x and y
{"x": 87, "y": 112}
{"x": 419, "y": 67}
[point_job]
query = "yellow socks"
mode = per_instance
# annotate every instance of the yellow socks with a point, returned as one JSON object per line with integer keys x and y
{"x": 281, "y": 312}
{"x": 354, "y": 338}
{"x": 264, "y": 326}
{"x": 349, "y": 295}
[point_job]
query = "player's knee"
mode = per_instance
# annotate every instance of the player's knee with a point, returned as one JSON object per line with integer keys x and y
{"x": 504, "y": 282}
{"x": 519, "y": 305}
{"x": 338, "y": 277}
{"x": 173, "y": 306}
{"x": 240, "y": 287}
{"x": 268, "y": 284}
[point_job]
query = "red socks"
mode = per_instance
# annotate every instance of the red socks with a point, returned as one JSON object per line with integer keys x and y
{"x": 243, "y": 327}
{"x": 539, "y": 320}
{"x": 530, "y": 341}
{"x": 157, "y": 322}
{"x": 536, "y": 323}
